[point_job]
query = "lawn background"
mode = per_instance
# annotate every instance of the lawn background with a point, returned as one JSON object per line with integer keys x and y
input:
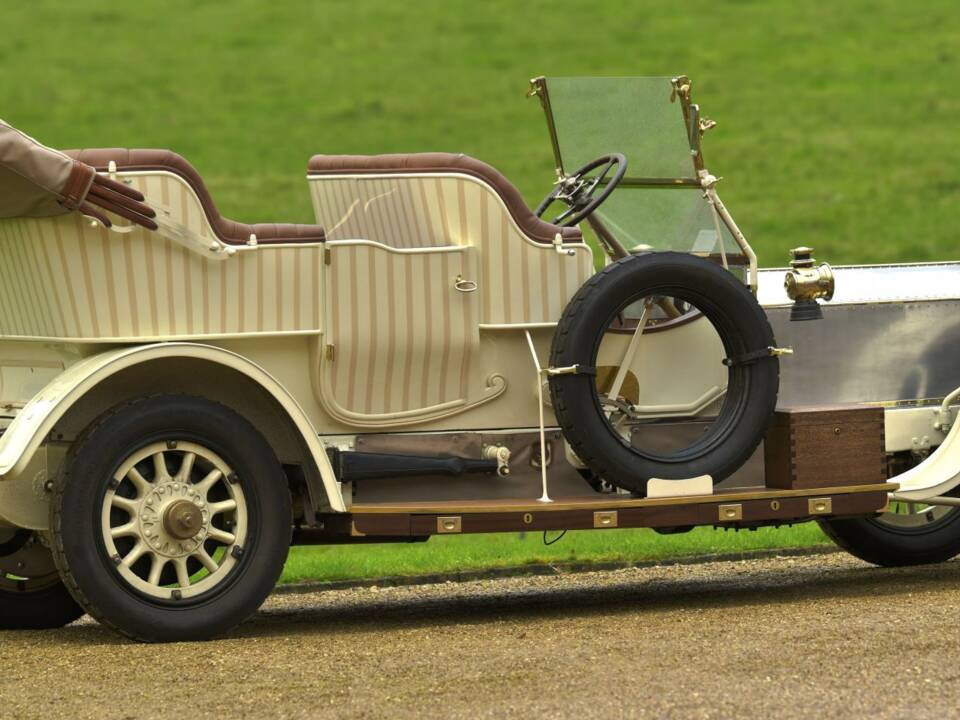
{"x": 837, "y": 128}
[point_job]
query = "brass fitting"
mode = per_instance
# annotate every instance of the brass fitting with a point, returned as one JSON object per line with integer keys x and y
{"x": 806, "y": 282}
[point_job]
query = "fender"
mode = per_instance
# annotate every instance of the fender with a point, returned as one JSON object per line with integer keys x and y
{"x": 37, "y": 419}
{"x": 935, "y": 476}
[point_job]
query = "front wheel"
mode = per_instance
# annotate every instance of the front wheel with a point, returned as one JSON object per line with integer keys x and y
{"x": 906, "y": 534}
{"x": 171, "y": 519}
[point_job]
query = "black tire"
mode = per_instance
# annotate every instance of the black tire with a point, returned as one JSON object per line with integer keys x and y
{"x": 79, "y": 549}
{"x": 880, "y": 543}
{"x": 45, "y": 609}
{"x": 742, "y": 327}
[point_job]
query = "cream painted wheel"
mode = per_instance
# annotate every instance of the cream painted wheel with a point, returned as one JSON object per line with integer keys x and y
{"x": 174, "y": 520}
{"x": 914, "y": 515}
{"x": 28, "y": 566}
{"x": 32, "y": 597}
{"x": 171, "y": 518}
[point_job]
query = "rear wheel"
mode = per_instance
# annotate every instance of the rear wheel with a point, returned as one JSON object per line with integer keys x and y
{"x": 32, "y": 597}
{"x": 171, "y": 520}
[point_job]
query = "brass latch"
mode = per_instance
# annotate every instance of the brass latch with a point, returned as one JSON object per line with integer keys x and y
{"x": 820, "y": 506}
{"x": 730, "y": 512}
{"x": 605, "y": 519}
{"x": 448, "y": 524}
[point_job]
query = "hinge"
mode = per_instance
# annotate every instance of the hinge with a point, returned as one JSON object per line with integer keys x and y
{"x": 327, "y": 256}
{"x": 329, "y": 352}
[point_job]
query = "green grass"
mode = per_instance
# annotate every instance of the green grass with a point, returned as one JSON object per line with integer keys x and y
{"x": 446, "y": 554}
{"x": 837, "y": 127}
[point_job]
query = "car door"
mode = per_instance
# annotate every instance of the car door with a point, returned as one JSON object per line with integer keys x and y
{"x": 402, "y": 333}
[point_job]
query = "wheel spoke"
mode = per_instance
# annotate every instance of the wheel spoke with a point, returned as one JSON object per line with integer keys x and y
{"x": 208, "y": 482}
{"x": 186, "y": 467}
{"x": 156, "y": 569}
{"x": 160, "y": 468}
{"x": 125, "y": 504}
{"x": 221, "y": 536}
{"x": 138, "y": 551}
{"x": 208, "y": 562}
{"x": 183, "y": 576}
{"x": 222, "y": 507}
{"x": 142, "y": 485}
{"x": 124, "y": 530}
{"x": 621, "y": 375}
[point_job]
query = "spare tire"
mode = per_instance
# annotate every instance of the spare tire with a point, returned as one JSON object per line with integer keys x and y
{"x": 753, "y": 374}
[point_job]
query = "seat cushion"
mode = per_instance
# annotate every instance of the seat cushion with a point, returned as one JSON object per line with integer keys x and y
{"x": 229, "y": 231}
{"x": 530, "y": 224}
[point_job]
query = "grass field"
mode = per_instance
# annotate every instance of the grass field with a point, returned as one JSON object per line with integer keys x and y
{"x": 450, "y": 554}
{"x": 837, "y": 126}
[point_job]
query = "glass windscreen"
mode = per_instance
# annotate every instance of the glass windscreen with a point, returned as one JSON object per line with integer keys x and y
{"x": 664, "y": 219}
{"x": 659, "y": 203}
{"x": 633, "y": 116}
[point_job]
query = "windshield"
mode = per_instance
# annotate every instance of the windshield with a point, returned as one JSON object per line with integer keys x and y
{"x": 660, "y": 203}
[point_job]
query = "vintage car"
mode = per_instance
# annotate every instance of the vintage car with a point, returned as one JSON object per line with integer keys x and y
{"x": 184, "y": 396}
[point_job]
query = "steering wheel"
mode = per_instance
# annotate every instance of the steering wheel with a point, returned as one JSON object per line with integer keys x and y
{"x": 578, "y": 190}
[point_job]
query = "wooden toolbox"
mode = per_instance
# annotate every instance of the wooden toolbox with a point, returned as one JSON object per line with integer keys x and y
{"x": 825, "y": 446}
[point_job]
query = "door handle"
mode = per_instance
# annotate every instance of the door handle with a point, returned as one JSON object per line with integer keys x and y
{"x": 465, "y": 286}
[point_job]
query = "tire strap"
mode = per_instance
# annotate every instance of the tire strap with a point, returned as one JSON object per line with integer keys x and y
{"x": 572, "y": 370}
{"x": 751, "y": 357}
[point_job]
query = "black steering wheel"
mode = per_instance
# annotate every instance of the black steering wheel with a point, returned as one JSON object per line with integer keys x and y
{"x": 578, "y": 190}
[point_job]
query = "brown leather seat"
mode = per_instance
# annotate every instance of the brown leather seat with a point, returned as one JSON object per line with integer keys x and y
{"x": 229, "y": 231}
{"x": 534, "y": 227}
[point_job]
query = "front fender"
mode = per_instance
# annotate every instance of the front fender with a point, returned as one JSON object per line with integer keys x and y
{"x": 34, "y": 423}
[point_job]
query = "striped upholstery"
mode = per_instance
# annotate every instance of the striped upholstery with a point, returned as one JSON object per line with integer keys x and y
{"x": 520, "y": 281}
{"x": 63, "y": 278}
{"x": 406, "y": 343}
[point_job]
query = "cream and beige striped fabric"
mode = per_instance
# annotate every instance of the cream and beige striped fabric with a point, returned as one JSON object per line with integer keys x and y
{"x": 64, "y": 278}
{"x": 521, "y": 281}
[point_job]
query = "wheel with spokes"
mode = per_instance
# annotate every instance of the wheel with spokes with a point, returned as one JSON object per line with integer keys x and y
{"x": 906, "y": 534}
{"x": 171, "y": 520}
{"x": 31, "y": 594}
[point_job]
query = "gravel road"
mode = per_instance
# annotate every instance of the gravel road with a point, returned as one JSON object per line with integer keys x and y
{"x": 821, "y": 636}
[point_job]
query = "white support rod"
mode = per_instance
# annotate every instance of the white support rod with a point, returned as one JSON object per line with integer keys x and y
{"x": 545, "y": 497}
{"x": 737, "y": 235}
{"x": 614, "y": 392}
{"x": 939, "y": 500}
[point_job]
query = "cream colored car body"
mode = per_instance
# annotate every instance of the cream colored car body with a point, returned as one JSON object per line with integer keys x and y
{"x": 430, "y": 339}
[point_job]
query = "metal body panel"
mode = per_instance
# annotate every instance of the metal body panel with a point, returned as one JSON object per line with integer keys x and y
{"x": 890, "y": 335}
{"x": 33, "y": 424}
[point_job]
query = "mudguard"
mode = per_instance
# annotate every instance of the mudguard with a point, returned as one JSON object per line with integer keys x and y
{"x": 33, "y": 424}
{"x": 935, "y": 476}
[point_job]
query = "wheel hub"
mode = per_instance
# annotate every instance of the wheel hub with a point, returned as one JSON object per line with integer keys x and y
{"x": 182, "y": 519}
{"x": 174, "y": 519}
